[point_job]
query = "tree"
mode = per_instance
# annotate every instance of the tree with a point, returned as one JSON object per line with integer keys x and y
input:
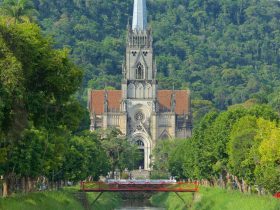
{"x": 239, "y": 147}
{"x": 181, "y": 159}
{"x": 200, "y": 108}
{"x": 121, "y": 152}
{"x": 220, "y": 50}
{"x": 85, "y": 158}
{"x": 36, "y": 84}
{"x": 213, "y": 133}
{"x": 267, "y": 171}
{"x": 18, "y": 10}
{"x": 202, "y": 148}
{"x": 161, "y": 157}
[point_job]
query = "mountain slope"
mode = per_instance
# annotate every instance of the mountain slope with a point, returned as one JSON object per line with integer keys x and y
{"x": 224, "y": 51}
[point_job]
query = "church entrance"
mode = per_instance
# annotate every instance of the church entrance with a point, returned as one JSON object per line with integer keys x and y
{"x": 141, "y": 148}
{"x": 141, "y": 162}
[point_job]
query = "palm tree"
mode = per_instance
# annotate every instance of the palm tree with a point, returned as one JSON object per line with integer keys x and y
{"x": 18, "y": 10}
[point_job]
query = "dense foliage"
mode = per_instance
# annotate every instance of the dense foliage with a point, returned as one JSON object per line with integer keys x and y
{"x": 241, "y": 144}
{"x": 41, "y": 137}
{"x": 224, "y": 51}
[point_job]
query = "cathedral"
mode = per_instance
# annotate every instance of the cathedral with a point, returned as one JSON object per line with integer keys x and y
{"x": 142, "y": 112}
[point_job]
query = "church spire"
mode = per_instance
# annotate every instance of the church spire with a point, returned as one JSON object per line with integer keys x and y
{"x": 139, "y": 15}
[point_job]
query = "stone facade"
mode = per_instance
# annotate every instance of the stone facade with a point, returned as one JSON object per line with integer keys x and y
{"x": 143, "y": 113}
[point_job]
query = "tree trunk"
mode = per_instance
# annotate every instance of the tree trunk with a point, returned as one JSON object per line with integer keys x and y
{"x": 52, "y": 185}
{"x": 228, "y": 182}
{"x": 259, "y": 189}
{"x": 29, "y": 184}
{"x": 23, "y": 189}
{"x": 244, "y": 186}
{"x": 238, "y": 184}
{"x": 5, "y": 187}
{"x": 25, "y": 185}
{"x": 249, "y": 190}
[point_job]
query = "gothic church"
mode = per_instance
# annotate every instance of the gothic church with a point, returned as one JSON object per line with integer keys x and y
{"x": 143, "y": 113}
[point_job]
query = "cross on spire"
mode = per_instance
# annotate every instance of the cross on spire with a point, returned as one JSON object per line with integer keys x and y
{"x": 139, "y": 15}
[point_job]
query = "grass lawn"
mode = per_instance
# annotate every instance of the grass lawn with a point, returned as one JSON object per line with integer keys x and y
{"x": 216, "y": 199}
{"x": 59, "y": 200}
{"x": 53, "y": 200}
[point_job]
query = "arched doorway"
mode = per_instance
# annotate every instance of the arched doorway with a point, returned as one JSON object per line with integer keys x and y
{"x": 143, "y": 142}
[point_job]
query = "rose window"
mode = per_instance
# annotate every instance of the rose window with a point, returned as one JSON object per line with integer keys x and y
{"x": 139, "y": 116}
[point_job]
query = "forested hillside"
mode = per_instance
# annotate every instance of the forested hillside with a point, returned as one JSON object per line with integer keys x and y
{"x": 225, "y": 51}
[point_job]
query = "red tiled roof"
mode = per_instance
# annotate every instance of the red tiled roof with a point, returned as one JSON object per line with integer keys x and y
{"x": 181, "y": 97}
{"x": 96, "y": 104}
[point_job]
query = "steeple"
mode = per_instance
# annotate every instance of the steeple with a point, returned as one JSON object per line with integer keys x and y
{"x": 139, "y": 71}
{"x": 139, "y": 15}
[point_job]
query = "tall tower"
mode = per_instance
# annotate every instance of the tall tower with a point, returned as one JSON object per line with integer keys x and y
{"x": 139, "y": 85}
{"x": 139, "y": 70}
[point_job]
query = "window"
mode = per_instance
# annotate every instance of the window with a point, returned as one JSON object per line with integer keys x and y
{"x": 131, "y": 90}
{"x": 140, "y": 71}
{"x": 139, "y": 143}
{"x": 148, "y": 91}
{"x": 139, "y": 116}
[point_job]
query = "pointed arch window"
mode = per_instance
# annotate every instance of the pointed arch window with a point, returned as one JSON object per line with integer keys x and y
{"x": 139, "y": 71}
{"x": 140, "y": 143}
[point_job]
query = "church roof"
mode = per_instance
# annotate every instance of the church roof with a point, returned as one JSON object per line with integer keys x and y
{"x": 182, "y": 105}
{"x": 182, "y": 101}
{"x": 96, "y": 102}
{"x": 139, "y": 15}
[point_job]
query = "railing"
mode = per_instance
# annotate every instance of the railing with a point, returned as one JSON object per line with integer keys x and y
{"x": 136, "y": 186}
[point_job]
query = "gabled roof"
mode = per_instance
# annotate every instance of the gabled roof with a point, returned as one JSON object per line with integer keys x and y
{"x": 96, "y": 102}
{"x": 182, "y": 101}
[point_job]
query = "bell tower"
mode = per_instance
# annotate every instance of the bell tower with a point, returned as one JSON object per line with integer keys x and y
{"x": 139, "y": 69}
{"x": 139, "y": 84}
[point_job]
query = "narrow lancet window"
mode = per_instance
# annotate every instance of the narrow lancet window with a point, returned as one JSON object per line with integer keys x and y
{"x": 140, "y": 71}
